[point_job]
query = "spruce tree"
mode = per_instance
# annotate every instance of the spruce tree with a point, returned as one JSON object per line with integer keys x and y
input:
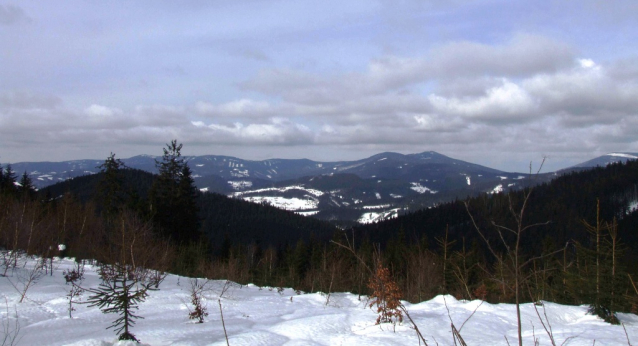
{"x": 110, "y": 188}
{"x": 8, "y": 181}
{"x": 26, "y": 188}
{"x": 120, "y": 292}
{"x": 173, "y": 197}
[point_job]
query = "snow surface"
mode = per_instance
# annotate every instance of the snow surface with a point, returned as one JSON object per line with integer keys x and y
{"x": 381, "y": 206}
{"x": 314, "y": 192}
{"x": 292, "y": 204}
{"x": 240, "y": 185}
{"x": 308, "y": 213}
{"x": 420, "y": 188}
{"x": 262, "y": 316}
{"x": 497, "y": 189}
{"x": 372, "y": 217}
{"x": 623, "y": 155}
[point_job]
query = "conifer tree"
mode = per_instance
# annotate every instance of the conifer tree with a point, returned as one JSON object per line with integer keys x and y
{"x": 125, "y": 281}
{"x": 173, "y": 196}
{"x": 8, "y": 181}
{"x": 599, "y": 277}
{"x": 26, "y": 188}
{"x": 120, "y": 293}
{"x": 110, "y": 187}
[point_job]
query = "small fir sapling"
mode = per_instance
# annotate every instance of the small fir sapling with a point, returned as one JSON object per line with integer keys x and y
{"x": 122, "y": 289}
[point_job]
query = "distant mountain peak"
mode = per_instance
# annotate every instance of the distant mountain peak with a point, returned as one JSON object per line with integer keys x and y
{"x": 625, "y": 155}
{"x": 605, "y": 160}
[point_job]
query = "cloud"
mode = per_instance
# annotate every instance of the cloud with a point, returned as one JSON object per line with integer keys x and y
{"x": 238, "y": 108}
{"x": 585, "y": 94}
{"x": 13, "y": 100}
{"x": 98, "y": 111}
{"x": 523, "y": 55}
{"x": 279, "y": 131}
{"x": 504, "y": 103}
{"x": 12, "y": 14}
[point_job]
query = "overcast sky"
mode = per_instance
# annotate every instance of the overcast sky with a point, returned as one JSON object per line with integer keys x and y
{"x": 499, "y": 83}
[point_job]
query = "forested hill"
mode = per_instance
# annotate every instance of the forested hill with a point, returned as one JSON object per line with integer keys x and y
{"x": 222, "y": 219}
{"x": 565, "y": 202}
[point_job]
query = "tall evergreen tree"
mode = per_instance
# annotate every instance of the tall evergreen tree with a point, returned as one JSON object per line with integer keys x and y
{"x": 173, "y": 197}
{"x": 110, "y": 188}
{"x": 1, "y": 180}
{"x": 26, "y": 188}
{"x": 8, "y": 181}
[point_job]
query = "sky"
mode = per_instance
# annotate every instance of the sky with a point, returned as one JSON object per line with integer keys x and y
{"x": 500, "y": 83}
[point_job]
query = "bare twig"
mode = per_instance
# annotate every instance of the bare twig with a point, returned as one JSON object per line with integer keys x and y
{"x": 223, "y": 323}
{"x": 416, "y": 328}
{"x": 10, "y": 331}
{"x": 28, "y": 278}
{"x": 508, "y": 342}
{"x": 472, "y": 314}
{"x": 456, "y": 335}
{"x": 627, "y": 335}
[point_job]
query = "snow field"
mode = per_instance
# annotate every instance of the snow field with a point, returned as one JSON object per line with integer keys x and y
{"x": 264, "y": 316}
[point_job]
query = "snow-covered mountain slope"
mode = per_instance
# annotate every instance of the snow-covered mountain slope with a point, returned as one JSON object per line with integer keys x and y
{"x": 607, "y": 159}
{"x": 256, "y": 316}
{"x": 387, "y": 165}
{"x": 342, "y": 189}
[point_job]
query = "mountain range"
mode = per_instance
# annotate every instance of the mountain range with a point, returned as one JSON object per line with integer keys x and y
{"x": 368, "y": 190}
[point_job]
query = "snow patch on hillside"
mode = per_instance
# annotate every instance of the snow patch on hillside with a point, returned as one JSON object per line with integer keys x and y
{"x": 627, "y": 156}
{"x": 307, "y": 213}
{"x": 313, "y": 192}
{"x": 633, "y": 206}
{"x": 292, "y": 204}
{"x": 240, "y": 184}
{"x": 497, "y": 189}
{"x": 382, "y": 206}
{"x": 372, "y": 217}
{"x": 421, "y": 189}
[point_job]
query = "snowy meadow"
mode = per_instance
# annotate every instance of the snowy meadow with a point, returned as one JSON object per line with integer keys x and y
{"x": 255, "y": 315}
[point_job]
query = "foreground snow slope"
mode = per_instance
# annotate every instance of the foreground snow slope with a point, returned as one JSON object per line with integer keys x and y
{"x": 256, "y": 316}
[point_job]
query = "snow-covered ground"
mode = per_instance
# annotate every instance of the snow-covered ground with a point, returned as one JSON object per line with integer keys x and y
{"x": 292, "y": 204}
{"x": 264, "y": 316}
{"x": 313, "y": 192}
{"x": 372, "y": 217}
{"x": 420, "y": 188}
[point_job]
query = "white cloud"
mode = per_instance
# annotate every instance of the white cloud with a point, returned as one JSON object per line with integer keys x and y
{"x": 101, "y": 111}
{"x": 238, "y": 108}
{"x": 524, "y": 54}
{"x": 279, "y": 131}
{"x": 507, "y": 102}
